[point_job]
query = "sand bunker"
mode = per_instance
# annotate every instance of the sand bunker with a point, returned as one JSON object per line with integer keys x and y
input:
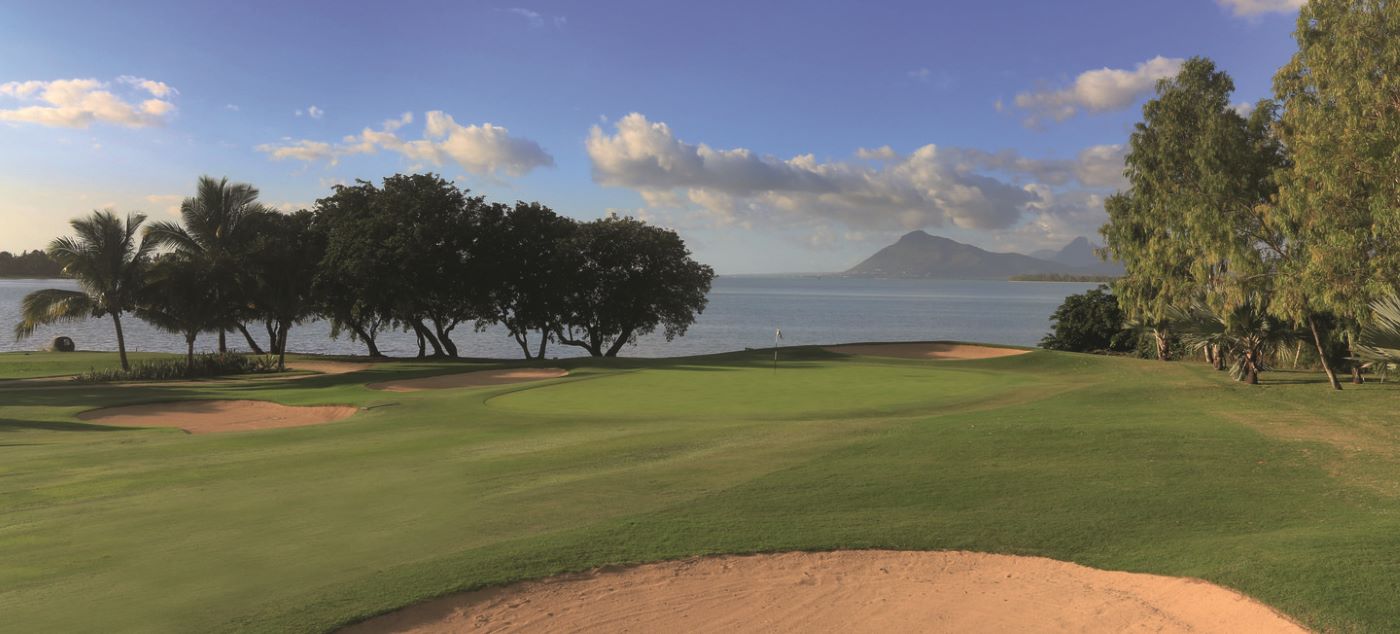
{"x": 481, "y": 378}
{"x": 210, "y": 417}
{"x": 934, "y": 351}
{"x": 328, "y": 367}
{"x": 850, "y": 591}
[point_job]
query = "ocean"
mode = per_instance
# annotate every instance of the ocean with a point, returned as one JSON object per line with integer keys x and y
{"x": 743, "y": 312}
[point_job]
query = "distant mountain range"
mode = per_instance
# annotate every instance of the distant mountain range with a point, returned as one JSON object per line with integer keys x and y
{"x": 920, "y": 255}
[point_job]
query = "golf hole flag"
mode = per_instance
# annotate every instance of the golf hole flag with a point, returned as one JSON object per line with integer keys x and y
{"x": 777, "y": 336}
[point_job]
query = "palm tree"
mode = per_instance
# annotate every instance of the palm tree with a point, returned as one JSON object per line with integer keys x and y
{"x": 109, "y": 264}
{"x": 216, "y": 224}
{"x": 1246, "y": 332}
{"x": 1379, "y": 343}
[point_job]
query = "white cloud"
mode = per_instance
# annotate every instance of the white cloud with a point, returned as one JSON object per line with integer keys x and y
{"x": 231, "y": 108}
{"x": 1244, "y": 108}
{"x": 1097, "y": 91}
{"x": 313, "y": 112}
{"x": 156, "y": 88}
{"x": 926, "y": 188}
{"x": 484, "y": 149}
{"x": 78, "y": 103}
{"x": 1245, "y": 8}
{"x": 1096, "y": 167}
{"x": 921, "y": 74}
{"x": 169, "y": 203}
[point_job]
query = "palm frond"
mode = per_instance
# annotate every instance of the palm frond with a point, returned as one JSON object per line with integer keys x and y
{"x": 170, "y": 234}
{"x": 1380, "y": 339}
{"x": 51, "y": 306}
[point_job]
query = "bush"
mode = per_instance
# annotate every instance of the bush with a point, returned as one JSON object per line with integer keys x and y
{"x": 205, "y": 365}
{"x": 62, "y": 344}
{"x": 1089, "y": 322}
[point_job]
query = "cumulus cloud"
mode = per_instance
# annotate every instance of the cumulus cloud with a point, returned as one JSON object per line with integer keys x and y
{"x": 925, "y": 188}
{"x": 1246, "y": 8}
{"x": 1099, "y": 90}
{"x": 313, "y": 112}
{"x": 78, "y": 103}
{"x": 484, "y": 149}
{"x": 536, "y": 19}
{"x": 1098, "y": 166}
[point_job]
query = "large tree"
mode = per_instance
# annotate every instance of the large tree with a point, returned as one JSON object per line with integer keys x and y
{"x": 1339, "y": 203}
{"x": 282, "y": 274}
{"x": 357, "y": 280}
{"x": 108, "y": 259}
{"x": 528, "y": 270}
{"x": 216, "y": 225}
{"x": 1191, "y": 227}
{"x": 179, "y": 297}
{"x": 626, "y": 280}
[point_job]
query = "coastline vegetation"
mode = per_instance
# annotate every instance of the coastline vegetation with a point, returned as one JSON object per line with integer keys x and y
{"x": 1061, "y": 277}
{"x": 415, "y": 253}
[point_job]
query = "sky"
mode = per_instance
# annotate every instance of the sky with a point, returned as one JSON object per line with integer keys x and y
{"x": 775, "y": 137}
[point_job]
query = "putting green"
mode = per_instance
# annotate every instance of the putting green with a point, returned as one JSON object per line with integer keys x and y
{"x": 1286, "y": 492}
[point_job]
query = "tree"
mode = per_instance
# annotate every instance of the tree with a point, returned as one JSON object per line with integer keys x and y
{"x": 282, "y": 273}
{"x": 627, "y": 279}
{"x": 1339, "y": 203}
{"x": 1379, "y": 342}
{"x": 530, "y": 269}
{"x": 1191, "y": 226}
{"x": 1248, "y": 333}
{"x": 180, "y": 297}
{"x": 218, "y": 223}
{"x": 1089, "y": 322}
{"x": 108, "y": 261}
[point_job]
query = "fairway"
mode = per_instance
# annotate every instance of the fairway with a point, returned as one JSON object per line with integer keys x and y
{"x": 1286, "y": 492}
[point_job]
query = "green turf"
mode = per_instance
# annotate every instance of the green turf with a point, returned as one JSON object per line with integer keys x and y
{"x": 1285, "y": 491}
{"x": 26, "y": 365}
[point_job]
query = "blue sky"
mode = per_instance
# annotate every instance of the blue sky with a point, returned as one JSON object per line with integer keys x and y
{"x": 775, "y": 136}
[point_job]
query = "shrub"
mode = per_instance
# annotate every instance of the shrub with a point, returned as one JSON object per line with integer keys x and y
{"x": 204, "y": 365}
{"x": 62, "y": 344}
{"x": 1089, "y": 322}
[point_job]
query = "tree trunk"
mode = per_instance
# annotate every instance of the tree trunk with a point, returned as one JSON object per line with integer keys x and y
{"x": 544, "y": 341}
{"x": 619, "y": 342}
{"x": 271, "y": 336}
{"x": 1356, "y": 377}
{"x": 121, "y": 341}
{"x": 189, "y": 352}
{"x": 367, "y": 339}
{"x": 1322, "y": 355}
{"x": 249, "y": 337}
{"x": 417, "y": 325}
{"x": 523, "y": 343}
{"x": 1161, "y": 337}
{"x": 444, "y": 336}
{"x": 223, "y": 342}
{"x": 1251, "y": 367}
{"x": 282, "y": 345}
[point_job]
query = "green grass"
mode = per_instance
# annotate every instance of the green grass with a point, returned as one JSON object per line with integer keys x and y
{"x": 1287, "y": 491}
{"x": 28, "y": 365}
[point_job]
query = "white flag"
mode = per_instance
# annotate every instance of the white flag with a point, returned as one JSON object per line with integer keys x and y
{"x": 779, "y": 334}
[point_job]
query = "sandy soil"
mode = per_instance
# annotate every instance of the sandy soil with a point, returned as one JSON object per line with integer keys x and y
{"x": 934, "y": 351}
{"x": 849, "y": 591}
{"x": 481, "y": 378}
{"x": 327, "y": 367}
{"x": 211, "y": 417}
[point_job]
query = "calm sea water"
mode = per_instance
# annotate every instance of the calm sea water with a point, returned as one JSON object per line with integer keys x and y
{"x": 743, "y": 312}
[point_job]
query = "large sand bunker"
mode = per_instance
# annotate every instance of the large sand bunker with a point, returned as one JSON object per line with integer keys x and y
{"x": 481, "y": 378}
{"x": 849, "y": 591}
{"x": 327, "y": 367}
{"x": 934, "y": 351}
{"x": 209, "y": 417}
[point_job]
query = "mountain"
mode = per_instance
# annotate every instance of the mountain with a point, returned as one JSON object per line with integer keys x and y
{"x": 920, "y": 255}
{"x": 1079, "y": 253}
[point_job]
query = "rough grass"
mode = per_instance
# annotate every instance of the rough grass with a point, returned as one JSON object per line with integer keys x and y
{"x": 1109, "y": 462}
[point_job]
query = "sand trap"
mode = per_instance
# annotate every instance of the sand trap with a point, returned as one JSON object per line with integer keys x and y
{"x": 327, "y": 367}
{"x": 849, "y": 591}
{"x": 481, "y": 378}
{"x": 934, "y": 351}
{"x": 211, "y": 417}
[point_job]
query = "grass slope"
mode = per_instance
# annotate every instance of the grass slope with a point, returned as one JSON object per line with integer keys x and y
{"x": 1287, "y": 491}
